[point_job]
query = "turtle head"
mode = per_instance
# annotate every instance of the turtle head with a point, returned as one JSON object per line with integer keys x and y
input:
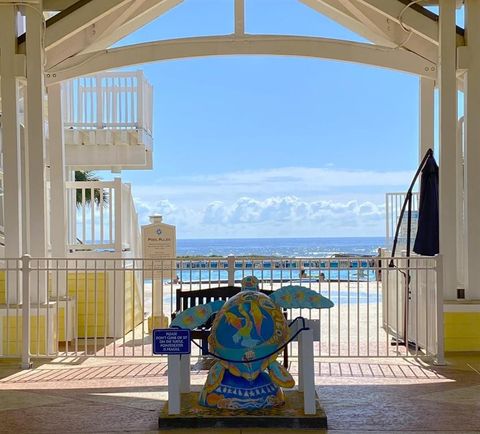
{"x": 250, "y": 283}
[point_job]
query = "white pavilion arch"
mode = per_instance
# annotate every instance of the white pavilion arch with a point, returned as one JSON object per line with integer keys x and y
{"x": 36, "y": 56}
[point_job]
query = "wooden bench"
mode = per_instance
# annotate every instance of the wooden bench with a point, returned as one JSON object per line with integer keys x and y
{"x": 187, "y": 299}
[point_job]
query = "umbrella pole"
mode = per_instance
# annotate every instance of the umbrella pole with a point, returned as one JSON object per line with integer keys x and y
{"x": 407, "y": 202}
{"x": 407, "y": 274}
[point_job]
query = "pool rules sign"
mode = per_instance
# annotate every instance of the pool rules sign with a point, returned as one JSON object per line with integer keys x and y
{"x": 159, "y": 245}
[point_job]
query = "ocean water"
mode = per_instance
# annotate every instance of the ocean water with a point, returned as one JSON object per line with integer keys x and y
{"x": 290, "y": 247}
{"x": 276, "y": 248}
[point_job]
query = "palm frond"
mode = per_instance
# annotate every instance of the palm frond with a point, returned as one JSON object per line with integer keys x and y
{"x": 89, "y": 175}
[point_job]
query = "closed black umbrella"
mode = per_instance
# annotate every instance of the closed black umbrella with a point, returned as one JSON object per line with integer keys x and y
{"x": 407, "y": 204}
{"x": 426, "y": 241}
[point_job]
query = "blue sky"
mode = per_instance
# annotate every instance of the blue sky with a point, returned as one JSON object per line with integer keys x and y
{"x": 272, "y": 146}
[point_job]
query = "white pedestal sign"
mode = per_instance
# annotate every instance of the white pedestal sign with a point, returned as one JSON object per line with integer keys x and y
{"x": 159, "y": 244}
{"x": 159, "y": 253}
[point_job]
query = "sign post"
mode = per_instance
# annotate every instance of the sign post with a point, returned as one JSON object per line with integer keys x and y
{"x": 177, "y": 345}
{"x": 159, "y": 246}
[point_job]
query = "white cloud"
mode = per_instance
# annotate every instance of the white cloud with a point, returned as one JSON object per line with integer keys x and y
{"x": 274, "y": 216}
{"x": 173, "y": 214}
{"x": 273, "y": 202}
{"x": 290, "y": 209}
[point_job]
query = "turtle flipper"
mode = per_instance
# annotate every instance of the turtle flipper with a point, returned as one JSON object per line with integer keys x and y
{"x": 214, "y": 379}
{"x": 197, "y": 315}
{"x": 296, "y": 297}
{"x": 280, "y": 375}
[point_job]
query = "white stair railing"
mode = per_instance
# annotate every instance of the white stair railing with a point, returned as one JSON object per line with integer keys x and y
{"x": 104, "y": 219}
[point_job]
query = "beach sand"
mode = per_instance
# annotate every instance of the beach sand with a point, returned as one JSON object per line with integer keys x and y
{"x": 353, "y": 328}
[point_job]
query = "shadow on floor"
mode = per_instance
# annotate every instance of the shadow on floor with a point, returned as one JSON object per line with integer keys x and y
{"x": 123, "y": 395}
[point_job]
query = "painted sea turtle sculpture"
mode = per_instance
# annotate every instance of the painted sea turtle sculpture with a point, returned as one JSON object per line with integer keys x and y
{"x": 246, "y": 337}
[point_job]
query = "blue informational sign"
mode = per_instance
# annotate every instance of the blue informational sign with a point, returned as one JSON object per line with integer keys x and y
{"x": 171, "y": 341}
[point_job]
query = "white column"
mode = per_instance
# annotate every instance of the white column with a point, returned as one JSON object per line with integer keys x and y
{"x": 426, "y": 116}
{"x": 118, "y": 216}
{"x": 58, "y": 220}
{"x": 460, "y": 208}
{"x": 71, "y": 208}
{"x": 10, "y": 131}
{"x": 24, "y": 175}
{"x": 157, "y": 302}
{"x": 58, "y": 215}
{"x": 36, "y": 199}
{"x": 472, "y": 149}
{"x": 448, "y": 127}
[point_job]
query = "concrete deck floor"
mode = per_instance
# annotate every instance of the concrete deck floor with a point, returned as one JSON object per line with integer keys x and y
{"x": 121, "y": 395}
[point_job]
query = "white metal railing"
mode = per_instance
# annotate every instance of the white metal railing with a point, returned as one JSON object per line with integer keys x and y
{"x": 107, "y": 302}
{"x": 415, "y": 289}
{"x": 131, "y": 231}
{"x": 104, "y": 217}
{"x": 109, "y": 100}
{"x": 393, "y": 207}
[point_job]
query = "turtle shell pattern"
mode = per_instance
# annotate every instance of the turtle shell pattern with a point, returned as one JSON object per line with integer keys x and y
{"x": 249, "y": 326}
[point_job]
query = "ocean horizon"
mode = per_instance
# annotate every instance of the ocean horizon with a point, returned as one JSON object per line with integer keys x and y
{"x": 289, "y": 247}
{"x": 315, "y": 247}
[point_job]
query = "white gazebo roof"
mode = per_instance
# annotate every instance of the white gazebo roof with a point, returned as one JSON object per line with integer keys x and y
{"x": 77, "y": 38}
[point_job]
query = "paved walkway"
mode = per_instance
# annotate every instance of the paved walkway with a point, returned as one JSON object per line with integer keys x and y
{"x": 121, "y": 395}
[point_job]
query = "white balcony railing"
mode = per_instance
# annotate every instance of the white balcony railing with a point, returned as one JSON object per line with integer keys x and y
{"x": 109, "y": 100}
